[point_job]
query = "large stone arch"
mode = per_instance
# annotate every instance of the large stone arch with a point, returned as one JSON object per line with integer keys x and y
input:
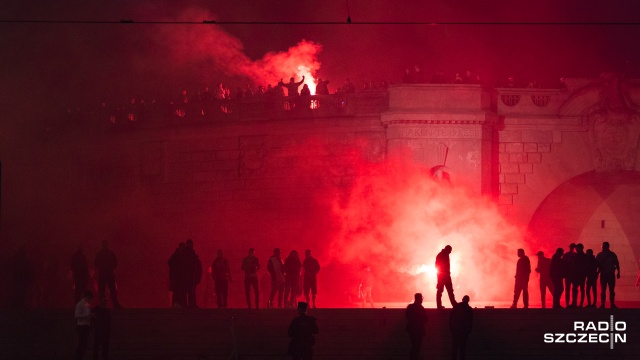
{"x": 591, "y": 208}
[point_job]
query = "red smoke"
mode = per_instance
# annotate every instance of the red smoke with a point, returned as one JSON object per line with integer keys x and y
{"x": 212, "y": 46}
{"x": 397, "y": 218}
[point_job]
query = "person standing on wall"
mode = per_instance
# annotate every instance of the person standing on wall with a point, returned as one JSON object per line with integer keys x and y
{"x": 106, "y": 262}
{"x": 221, "y": 274}
{"x": 556, "y": 272}
{"x": 607, "y": 266}
{"x": 250, "y": 266}
{"x": 544, "y": 264}
{"x": 311, "y": 268}
{"x": 443, "y": 267}
{"x": 275, "y": 268}
{"x": 523, "y": 270}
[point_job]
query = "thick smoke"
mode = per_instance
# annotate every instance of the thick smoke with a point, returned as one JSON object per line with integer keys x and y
{"x": 398, "y": 218}
{"x": 215, "y": 48}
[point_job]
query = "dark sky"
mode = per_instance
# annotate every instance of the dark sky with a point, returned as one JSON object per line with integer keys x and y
{"x": 45, "y": 67}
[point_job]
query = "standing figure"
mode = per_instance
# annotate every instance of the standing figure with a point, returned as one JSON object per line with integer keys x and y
{"x": 106, "y": 262}
{"x": 544, "y": 265}
{"x": 366, "y": 286}
{"x": 275, "y": 268}
{"x": 83, "y": 321}
{"x": 568, "y": 259}
{"x": 80, "y": 271}
{"x": 292, "y": 267}
{"x": 102, "y": 330}
{"x": 321, "y": 87}
{"x": 301, "y": 331}
{"x": 556, "y": 272}
{"x": 443, "y": 267}
{"x": 221, "y": 274}
{"x": 579, "y": 275}
{"x": 460, "y": 324}
{"x": 292, "y": 86}
{"x": 250, "y": 266}
{"x": 607, "y": 266}
{"x": 191, "y": 273}
{"x": 311, "y": 268}
{"x": 523, "y": 269}
{"x": 592, "y": 279}
{"x": 416, "y": 320}
{"x": 178, "y": 292}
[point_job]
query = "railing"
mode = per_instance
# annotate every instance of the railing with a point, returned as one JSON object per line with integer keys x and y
{"x": 248, "y": 109}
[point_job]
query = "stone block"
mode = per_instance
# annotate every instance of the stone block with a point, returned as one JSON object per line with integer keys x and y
{"x": 537, "y": 136}
{"x": 534, "y": 158}
{"x": 515, "y": 147}
{"x": 509, "y": 168}
{"x": 510, "y": 136}
{"x": 514, "y": 178}
{"x": 505, "y": 199}
{"x": 502, "y": 147}
{"x": 503, "y": 158}
{"x": 518, "y": 158}
{"x": 526, "y": 168}
{"x": 506, "y": 189}
{"x": 544, "y": 148}
{"x": 501, "y": 178}
{"x": 530, "y": 147}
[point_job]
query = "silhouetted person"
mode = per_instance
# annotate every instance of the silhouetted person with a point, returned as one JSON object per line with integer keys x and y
{"x": 416, "y": 320}
{"x": 275, "y": 268}
{"x": 523, "y": 269}
{"x": 311, "y": 268}
{"x": 569, "y": 259}
{"x": 102, "y": 330}
{"x": 460, "y": 324}
{"x": 579, "y": 275}
{"x": 176, "y": 286}
{"x": 348, "y": 87}
{"x": 607, "y": 266}
{"x": 366, "y": 286}
{"x": 83, "y": 323}
{"x": 292, "y": 267}
{"x": 191, "y": 273}
{"x": 80, "y": 271}
{"x": 556, "y": 272}
{"x": 221, "y": 274}
{"x": 592, "y": 279}
{"x": 250, "y": 266}
{"x": 321, "y": 87}
{"x": 106, "y": 262}
{"x": 301, "y": 331}
{"x": 443, "y": 267}
{"x": 305, "y": 90}
{"x": 544, "y": 265}
{"x": 292, "y": 86}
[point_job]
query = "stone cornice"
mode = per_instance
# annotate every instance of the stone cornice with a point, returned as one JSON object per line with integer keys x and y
{"x": 438, "y": 118}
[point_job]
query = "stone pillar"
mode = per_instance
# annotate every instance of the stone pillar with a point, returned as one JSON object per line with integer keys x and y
{"x": 447, "y": 129}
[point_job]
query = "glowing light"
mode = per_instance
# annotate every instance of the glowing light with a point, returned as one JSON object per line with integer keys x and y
{"x": 399, "y": 216}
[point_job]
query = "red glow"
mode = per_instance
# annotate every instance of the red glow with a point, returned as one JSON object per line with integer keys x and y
{"x": 397, "y": 218}
{"x": 211, "y": 44}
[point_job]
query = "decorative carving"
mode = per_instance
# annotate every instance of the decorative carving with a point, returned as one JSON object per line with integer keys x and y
{"x": 615, "y": 128}
{"x": 510, "y": 100}
{"x": 541, "y": 100}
